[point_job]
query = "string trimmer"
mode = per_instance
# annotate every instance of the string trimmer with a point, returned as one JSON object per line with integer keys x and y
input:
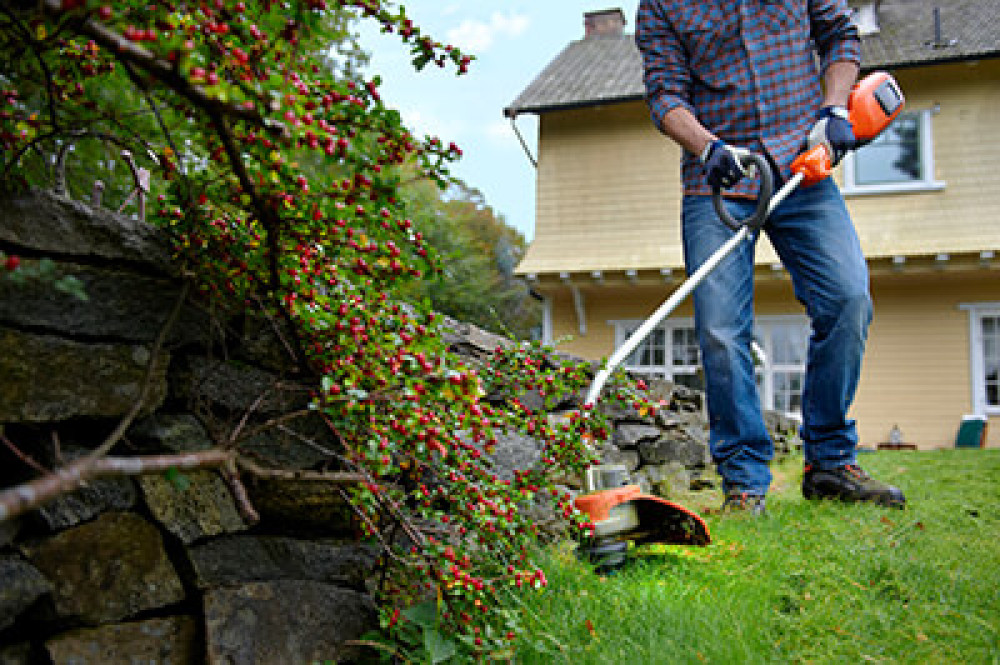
{"x": 619, "y": 511}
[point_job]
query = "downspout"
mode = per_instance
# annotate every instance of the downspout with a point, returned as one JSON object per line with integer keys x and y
{"x": 520, "y": 138}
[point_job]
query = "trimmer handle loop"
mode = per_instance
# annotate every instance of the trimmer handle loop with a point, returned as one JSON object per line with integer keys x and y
{"x": 759, "y": 216}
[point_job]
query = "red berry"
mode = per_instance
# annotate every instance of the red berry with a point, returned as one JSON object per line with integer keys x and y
{"x": 12, "y": 263}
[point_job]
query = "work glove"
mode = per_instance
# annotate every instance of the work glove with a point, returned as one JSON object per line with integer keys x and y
{"x": 833, "y": 129}
{"x": 722, "y": 164}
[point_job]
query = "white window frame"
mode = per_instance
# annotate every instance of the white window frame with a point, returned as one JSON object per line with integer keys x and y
{"x": 624, "y": 326}
{"x": 767, "y": 367}
{"x": 977, "y": 360}
{"x": 764, "y": 357}
{"x": 927, "y": 184}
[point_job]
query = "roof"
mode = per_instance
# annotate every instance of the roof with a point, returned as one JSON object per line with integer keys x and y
{"x": 598, "y": 70}
{"x": 607, "y": 69}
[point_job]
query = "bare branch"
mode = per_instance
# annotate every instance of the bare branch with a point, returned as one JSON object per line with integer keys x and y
{"x": 231, "y": 474}
{"x": 147, "y": 381}
{"x": 21, "y": 455}
{"x": 29, "y": 496}
{"x": 333, "y": 477}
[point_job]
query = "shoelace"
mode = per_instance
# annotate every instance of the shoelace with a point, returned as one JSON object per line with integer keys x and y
{"x": 856, "y": 471}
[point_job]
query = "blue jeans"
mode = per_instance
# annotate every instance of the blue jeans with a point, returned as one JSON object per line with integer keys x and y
{"x": 815, "y": 238}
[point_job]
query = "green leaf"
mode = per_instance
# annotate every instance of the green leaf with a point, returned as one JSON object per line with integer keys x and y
{"x": 177, "y": 479}
{"x": 46, "y": 267}
{"x": 438, "y": 647}
{"x": 72, "y": 286}
{"x": 423, "y": 614}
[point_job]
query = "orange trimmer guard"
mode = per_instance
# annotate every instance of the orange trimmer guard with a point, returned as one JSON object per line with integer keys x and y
{"x": 662, "y": 521}
{"x": 659, "y": 520}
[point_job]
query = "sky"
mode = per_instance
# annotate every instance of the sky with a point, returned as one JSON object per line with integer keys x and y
{"x": 512, "y": 40}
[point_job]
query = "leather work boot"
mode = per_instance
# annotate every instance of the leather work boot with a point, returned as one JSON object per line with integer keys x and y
{"x": 850, "y": 483}
{"x": 740, "y": 502}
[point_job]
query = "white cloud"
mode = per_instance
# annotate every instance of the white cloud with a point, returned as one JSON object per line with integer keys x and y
{"x": 478, "y": 36}
{"x": 426, "y": 121}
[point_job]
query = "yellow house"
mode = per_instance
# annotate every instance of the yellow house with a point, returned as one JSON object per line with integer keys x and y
{"x": 925, "y": 198}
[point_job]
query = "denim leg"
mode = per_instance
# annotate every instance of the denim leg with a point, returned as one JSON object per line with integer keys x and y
{"x": 813, "y": 234}
{"x": 723, "y": 304}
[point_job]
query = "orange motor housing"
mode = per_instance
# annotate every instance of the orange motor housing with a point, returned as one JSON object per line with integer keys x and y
{"x": 874, "y": 103}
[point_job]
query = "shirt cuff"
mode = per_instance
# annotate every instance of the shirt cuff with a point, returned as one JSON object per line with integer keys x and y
{"x": 848, "y": 50}
{"x": 664, "y": 104}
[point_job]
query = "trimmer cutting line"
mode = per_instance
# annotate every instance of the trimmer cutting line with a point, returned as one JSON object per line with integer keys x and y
{"x": 620, "y": 511}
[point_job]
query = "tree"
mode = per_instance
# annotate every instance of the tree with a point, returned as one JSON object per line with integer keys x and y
{"x": 477, "y": 253}
{"x": 282, "y": 195}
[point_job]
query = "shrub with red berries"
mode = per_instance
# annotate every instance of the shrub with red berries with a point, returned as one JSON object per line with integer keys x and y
{"x": 278, "y": 180}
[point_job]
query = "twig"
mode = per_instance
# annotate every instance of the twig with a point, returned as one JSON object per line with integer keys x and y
{"x": 309, "y": 442}
{"x": 147, "y": 381}
{"x": 164, "y": 71}
{"x": 21, "y": 455}
{"x": 231, "y": 474}
{"x": 235, "y": 434}
{"x": 28, "y": 496}
{"x": 274, "y": 422}
{"x": 333, "y": 477}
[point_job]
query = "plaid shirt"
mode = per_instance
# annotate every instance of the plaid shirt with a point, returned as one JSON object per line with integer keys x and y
{"x": 745, "y": 68}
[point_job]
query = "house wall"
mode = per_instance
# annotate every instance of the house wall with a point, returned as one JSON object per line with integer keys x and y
{"x": 608, "y": 192}
{"x": 916, "y": 373}
{"x": 609, "y": 198}
{"x": 964, "y": 215}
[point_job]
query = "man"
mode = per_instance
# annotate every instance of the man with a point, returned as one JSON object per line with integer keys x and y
{"x": 724, "y": 77}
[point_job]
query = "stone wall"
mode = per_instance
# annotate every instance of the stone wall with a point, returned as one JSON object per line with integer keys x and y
{"x": 166, "y": 568}
{"x": 159, "y": 568}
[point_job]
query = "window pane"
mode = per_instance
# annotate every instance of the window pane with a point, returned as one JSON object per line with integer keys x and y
{"x": 693, "y": 380}
{"x": 685, "y": 347}
{"x": 993, "y": 386}
{"x": 788, "y": 391}
{"x": 788, "y": 344}
{"x": 991, "y": 358}
{"x": 651, "y": 353}
{"x": 892, "y": 157}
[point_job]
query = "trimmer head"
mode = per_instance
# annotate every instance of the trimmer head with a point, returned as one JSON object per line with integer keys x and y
{"x": 622, "y": 513}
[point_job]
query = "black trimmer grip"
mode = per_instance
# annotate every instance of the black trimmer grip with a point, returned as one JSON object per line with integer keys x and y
{"x": 759, "y": 216}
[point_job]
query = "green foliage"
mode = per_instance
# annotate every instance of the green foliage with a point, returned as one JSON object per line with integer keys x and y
{"x": 476, "y": 256}
{"x": 278, "y": 180}
{"x": 811, "y": 583}
{"x": 18, "y": 272}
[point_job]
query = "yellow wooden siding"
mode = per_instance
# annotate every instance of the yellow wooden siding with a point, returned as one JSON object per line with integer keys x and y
{"x": 608, "y": 192}
{"x": 965, "y": 215}
{"x": 917, "y": 368}
{"x": 916, "y": 373}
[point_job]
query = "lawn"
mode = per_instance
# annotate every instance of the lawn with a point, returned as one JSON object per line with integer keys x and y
{"x": 810, "y": 583}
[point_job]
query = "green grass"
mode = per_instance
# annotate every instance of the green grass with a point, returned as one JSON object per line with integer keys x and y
{"x": 810, "y": 583}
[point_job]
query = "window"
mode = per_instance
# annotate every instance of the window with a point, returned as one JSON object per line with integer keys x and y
{"x": 984, "y": 320}
{"x": 901, "y": 159}
{"x": 781, "y": 362}
{"x": 669, "y": 352}
{"x": 780, "y": 343}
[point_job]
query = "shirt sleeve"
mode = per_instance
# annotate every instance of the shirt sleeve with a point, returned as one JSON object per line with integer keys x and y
{"x": 834, "y": 32}
{"x": 665, "y": 70}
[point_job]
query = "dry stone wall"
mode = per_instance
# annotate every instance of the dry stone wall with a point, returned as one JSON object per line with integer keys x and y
{"x": 166, "y": 568}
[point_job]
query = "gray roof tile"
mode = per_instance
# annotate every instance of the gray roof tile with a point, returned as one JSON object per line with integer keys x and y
{"x": 607, "y": 69}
